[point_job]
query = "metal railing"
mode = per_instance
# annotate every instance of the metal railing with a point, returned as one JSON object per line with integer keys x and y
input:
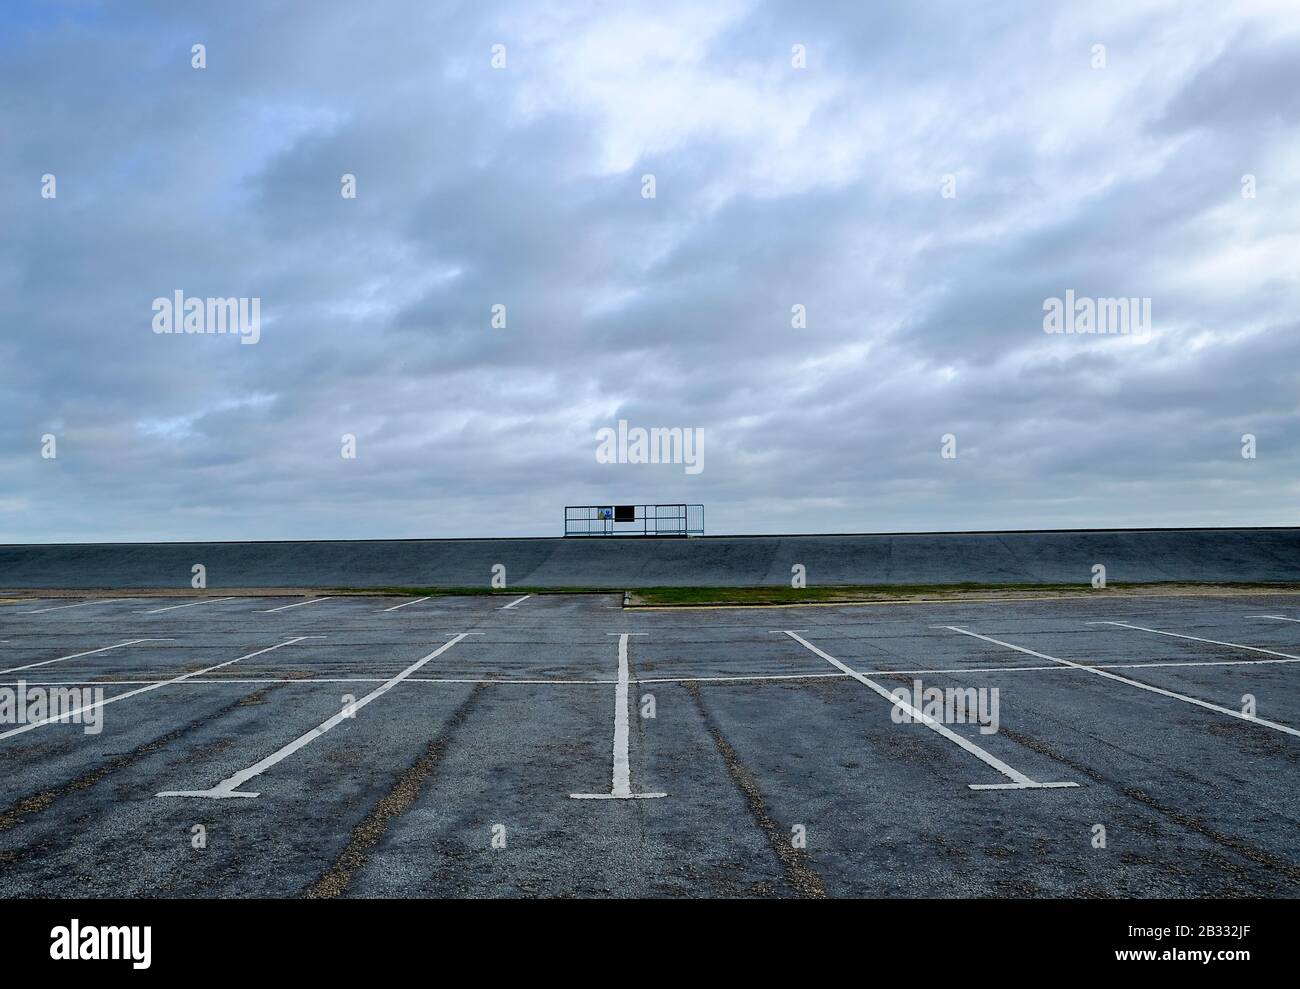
{"x": 634, "y": 520}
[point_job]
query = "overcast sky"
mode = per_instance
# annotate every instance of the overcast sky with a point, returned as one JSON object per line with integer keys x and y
{"x": 930, "y": 177}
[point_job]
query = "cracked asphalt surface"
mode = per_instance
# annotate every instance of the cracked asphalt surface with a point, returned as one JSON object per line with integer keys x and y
{"x": 488, "y": 740}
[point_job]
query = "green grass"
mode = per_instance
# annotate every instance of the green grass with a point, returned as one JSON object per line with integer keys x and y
{"x": 818, "y": 595}
{"x": 669, "y": 596}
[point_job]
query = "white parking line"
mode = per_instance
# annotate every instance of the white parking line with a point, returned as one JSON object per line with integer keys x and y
{"x": 621, "y": 786}
{"x": 230, "y": 787}
{"x": 1019, "y": 780}
{"x": 77, "y": 655}
{"x": 1254, "y": 720}
{"x": 744, "y": 678}
{"x": 507, "y": 607}
{"x": 132, "y": 693}
{"x": 606, "y": 681}
{"x": 308, "y": 681}
{"x": 286, "y": 607}
{"x": 192, "y": 604}
{"x": 405, "y": 603}
{"x": 1197, "y": 638}
{"x": 741, "y": 678}
{"x": 1279, "y": 618}
{"x": 83, "y": 604}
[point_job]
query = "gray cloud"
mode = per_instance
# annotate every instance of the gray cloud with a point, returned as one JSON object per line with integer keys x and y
{"x": 521, "y": 186}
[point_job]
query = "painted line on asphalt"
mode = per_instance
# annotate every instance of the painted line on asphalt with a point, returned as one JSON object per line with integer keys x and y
{"x": 1019, "y": 781}
{"x": 300, "y": 604}
{"x": 229, "y": 787}
{"x": 142, "y": 690}
{"x": 1280, "y": 618}
{"x": 742, "y": 678}
{"x": 606, "y": 681}
{"x": 308, "y": 681}
{"x": 1254, "y": 720}
{"x": 78, "y": 655}
{"x": 507, "y": 607}
{"x": 621, "y": 785}
{"x": 405, "y": 604}
{"x": 192, "y": 604}
{"x": 83, "y": 604}
{"x": 1197, "y": 638}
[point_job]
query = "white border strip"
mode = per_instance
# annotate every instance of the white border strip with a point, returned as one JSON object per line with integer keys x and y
{"x": 1197, "y": 638}
{"x": 192, "y": 604}
{"x": 300, "y": 604}
{"x": 1138, "y": 683}
{"x": 404, "y": 604}
{"x": 132, "y": 693}
{"x": 230, "y": 787}
{"x": 757, "y": 677}
{"x": 1019, "y": 781}
{"x": 83, "y": 604}
{"x": 77, "y": 655}
{"x": 621, "y": 786}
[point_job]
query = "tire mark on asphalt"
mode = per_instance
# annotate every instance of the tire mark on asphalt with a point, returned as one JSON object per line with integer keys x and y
{"x": 38, "y": 802}
{"x": 800, "y": 874}
{"x": 366, "y": 835}
{"x": 1248, "y": 851}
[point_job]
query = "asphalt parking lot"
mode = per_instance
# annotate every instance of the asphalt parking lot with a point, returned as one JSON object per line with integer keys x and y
{"x": 560, "y": 745}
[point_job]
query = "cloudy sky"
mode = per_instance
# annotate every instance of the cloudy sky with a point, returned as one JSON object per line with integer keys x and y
{"x": 921, "y": 185}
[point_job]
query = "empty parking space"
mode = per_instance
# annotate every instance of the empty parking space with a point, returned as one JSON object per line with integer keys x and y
{"x": 537, "y": 744}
